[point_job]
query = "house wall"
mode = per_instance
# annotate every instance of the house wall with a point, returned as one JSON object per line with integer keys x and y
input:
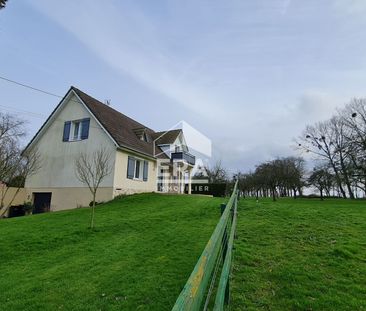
{"x": 57, "y": 173}
{"x": 68, "y": 197}
{"x": 7, "y": 197}
{"x": 124, "y": 185}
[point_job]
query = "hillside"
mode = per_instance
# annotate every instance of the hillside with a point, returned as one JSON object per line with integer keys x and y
{"x": 138, "y": 258}
{"x": 300, "y": 254}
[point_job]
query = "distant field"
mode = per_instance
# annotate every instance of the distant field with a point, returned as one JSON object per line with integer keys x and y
{"x": 300, "y": 255}
{"x": 139, "y": 257}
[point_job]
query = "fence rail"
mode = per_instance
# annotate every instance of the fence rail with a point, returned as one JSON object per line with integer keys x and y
{"x": 199, "y": 285}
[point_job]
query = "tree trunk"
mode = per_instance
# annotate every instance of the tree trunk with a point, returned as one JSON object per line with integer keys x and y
{"x": 346, "y": 178}
{"x": 273, "y": 195}
{"x": 93, "y": 211}
{"x": 338, "y": 179}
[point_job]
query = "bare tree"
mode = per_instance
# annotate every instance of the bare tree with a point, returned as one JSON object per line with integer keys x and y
{"x": 11, "y": 127}
{"x": 326, "y": 140}
{"x": 91, "y": 169}
{"x": 293, "y": 171}
{"x": 354, "y": 117}
{"x": 216, "y": 173}
{"x": 22, "y": 167}
{"x": 13, "y": 163}
{"x": 321, "y": 179}
{"x": 279, "y": 177}
{"x": 269, "y": 176}
{"x": 341, "y": 141}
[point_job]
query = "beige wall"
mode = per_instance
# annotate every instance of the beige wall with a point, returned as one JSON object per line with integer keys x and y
{"x": 124, "y": 185}
{"x": 71, "y": 197}
{"x": 19, "y": 199}
{"x": 57, "y": 157}
{"x": 67, "y": 198}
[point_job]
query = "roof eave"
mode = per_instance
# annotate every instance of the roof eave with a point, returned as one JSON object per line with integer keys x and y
{"x": 42, "y": 128}
{"x": 125, "y": 148}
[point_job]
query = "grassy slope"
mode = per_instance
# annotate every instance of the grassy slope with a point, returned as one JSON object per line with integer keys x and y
{"x": 300, "y": 255}
{"x": 139, "y": 257}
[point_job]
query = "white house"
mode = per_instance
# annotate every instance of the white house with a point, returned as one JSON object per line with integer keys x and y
{"x": 142, "y": 160}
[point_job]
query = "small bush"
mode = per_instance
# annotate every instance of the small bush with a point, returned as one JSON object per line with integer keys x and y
{"x": 96, "y": 203}
{"x": 28, "y": 207}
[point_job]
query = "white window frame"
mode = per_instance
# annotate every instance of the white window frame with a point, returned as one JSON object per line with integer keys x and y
{"x": 72, "y": 130}
{"x": 141, "y": 168}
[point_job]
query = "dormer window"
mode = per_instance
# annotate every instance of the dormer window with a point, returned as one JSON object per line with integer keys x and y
{"x": 144, "y": 137}
{"x": 76, "y": 130}
{"x": 141, "y": 134}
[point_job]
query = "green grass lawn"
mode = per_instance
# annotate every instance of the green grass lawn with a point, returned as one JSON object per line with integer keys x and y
{"x": 138, "y": 258}
{"x": 300, "y": 255}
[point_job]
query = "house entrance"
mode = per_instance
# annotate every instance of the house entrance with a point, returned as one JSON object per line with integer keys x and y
{"x": 41, "y": 202}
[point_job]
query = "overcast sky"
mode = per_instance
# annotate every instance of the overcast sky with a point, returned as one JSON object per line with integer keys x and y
{"x": 248, "y": 74}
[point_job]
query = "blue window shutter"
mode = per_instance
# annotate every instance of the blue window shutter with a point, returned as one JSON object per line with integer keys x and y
{"x": 85, "y": 128}
{"x": 130, "y": 167}
{"x": 67, "y": 127}
{"x": 145, "y": 172}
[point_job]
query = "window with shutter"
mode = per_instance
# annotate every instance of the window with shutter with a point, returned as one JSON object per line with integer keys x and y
{"x": 66, "y": 134}
{"x": 145, "y": 172}
{"x": 85, "y": 128}
{"x": 130, "y": 167}
{"x": 137, "y": 169}
{"x": 76, "y": 130}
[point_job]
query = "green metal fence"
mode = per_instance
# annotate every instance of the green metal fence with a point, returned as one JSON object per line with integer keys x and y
{"x": 217, "y": 256}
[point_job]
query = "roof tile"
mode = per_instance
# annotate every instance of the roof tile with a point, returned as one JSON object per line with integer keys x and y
{"x": 124, "y": 130}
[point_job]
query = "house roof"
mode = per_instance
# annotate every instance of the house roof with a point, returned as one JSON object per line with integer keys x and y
{"x": 126, "y": 131}
{"x": 166, "y": 137}
{"x": 119, "y": 126}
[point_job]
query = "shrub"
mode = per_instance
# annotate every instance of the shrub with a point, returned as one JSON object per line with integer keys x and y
{"x": 28, "y": 208}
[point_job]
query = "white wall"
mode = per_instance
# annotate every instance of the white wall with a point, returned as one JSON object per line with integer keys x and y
{"x": 57, "y": 157}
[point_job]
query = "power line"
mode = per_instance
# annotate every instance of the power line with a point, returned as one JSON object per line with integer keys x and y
{"x": 37, "y": 115}
{"x": 29, "y": 87}
{"x": 33, "y": 114}
{"x": 41, "y": 116}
